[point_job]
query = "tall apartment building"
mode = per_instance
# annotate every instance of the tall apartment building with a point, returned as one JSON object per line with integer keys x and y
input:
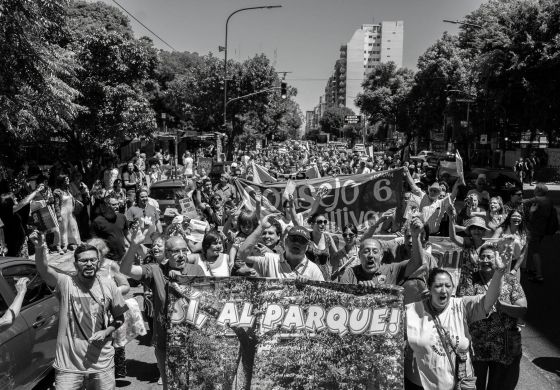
{"x": 371, "y": 44}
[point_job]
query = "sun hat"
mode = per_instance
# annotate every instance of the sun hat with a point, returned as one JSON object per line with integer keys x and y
{"x": 476, "y": 221}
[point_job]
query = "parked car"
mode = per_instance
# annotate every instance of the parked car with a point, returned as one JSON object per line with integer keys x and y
{"x": 167, "y": 193}
{"x": 27, "y": 348}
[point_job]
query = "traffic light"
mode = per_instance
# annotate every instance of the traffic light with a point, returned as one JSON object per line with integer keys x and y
{"x": 283, "y": 90}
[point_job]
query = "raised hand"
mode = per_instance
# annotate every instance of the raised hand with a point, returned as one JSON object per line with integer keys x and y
{"x": 21, "y": 285}
{"x": 37, "y": 238}
{"x": 138, "y": 236}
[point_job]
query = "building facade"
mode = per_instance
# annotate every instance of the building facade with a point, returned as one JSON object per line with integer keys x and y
{"x": 371, "y": 44}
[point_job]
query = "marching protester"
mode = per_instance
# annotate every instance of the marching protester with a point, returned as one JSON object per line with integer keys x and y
{"x": 291, "y": 264}
{"x": 84, "y": 349}
{"x": 496, "y": 340}
{"x": 437, "y": 332}
{"x": 514, "y": 226}
{"x": 155, "y": 276}
{"x": 371, "y": 270}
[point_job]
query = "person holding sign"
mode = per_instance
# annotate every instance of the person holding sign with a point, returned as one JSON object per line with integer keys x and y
{"x": 371, "y": 271}
{"x": 291, "y": 264}
{"x": 156, "y": 277}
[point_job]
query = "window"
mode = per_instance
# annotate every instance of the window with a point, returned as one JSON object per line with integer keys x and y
{"x": 394, "y": 32}
{"x": 3, "y": 306}
{"x": 388, "y": 48}
{"x": 37, "y": 289}
{"x": 365, "y": 51}
{"x": 370, "y": 44}
{"x": 370, "y": 52}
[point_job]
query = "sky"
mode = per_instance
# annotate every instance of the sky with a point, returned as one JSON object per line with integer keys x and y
{"x": 303, "y": 37}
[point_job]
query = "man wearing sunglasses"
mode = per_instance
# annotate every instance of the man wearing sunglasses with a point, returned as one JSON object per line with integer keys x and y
{"x": 292, "y": 264}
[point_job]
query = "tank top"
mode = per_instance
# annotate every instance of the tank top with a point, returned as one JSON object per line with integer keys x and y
{"x": 219, "y": 268}
{"x": 321, "y": 257}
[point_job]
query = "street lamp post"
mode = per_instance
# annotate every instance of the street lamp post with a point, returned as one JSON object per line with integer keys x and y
{"x": 226, "y": 47}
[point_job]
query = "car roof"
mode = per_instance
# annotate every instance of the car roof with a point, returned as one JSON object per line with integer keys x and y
{"x": 171, "y": 183}
{"x": 7, "y": 261}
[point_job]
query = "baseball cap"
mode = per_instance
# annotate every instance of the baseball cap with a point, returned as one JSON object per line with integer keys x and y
{"x": 299, "y": 231}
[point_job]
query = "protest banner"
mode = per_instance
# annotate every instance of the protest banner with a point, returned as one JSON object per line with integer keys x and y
{"x": 348, "y": 199}
{"x": 240, "y": 333}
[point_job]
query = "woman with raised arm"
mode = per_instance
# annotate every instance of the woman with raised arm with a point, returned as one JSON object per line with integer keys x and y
{"x": 437, "y": 332}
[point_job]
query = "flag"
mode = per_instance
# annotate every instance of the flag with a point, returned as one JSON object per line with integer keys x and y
{"x": 313, "y": 172}
{"x": 261, "y": 174}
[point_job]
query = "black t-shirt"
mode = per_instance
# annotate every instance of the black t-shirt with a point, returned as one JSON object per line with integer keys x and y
{"x": 14, "y": 228}
{"x": 113, "y": 233}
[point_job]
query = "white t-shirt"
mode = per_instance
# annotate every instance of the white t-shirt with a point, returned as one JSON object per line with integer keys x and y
{"x": 219, "y": 268}
{"x": 83, "y": 313}
{"x": 433, "y": 213}
{"x": 429, "y": 355}
{"x": 273, "y": 265}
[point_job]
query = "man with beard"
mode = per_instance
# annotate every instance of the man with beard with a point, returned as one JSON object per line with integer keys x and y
{"x": 371, "y": 271}
{"x": 156, "y": 278}
{"x": 84, "y": 346}
{"x": 111, "y": 226}
{"x": 291, "y": 264}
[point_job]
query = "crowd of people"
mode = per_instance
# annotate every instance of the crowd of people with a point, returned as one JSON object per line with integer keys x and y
{"x": 110, "y": 218}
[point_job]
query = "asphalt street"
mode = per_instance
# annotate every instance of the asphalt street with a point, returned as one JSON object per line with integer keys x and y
{"x": 540, "y": 365}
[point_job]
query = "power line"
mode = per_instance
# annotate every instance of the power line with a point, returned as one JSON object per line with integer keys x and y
{"x": 143, "y": 25}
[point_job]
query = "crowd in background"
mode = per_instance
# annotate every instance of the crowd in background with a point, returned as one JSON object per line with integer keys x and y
{"x": 226, "y": 238}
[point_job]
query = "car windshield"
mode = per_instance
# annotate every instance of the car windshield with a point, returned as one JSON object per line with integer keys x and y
{"x": 164, "y": 193}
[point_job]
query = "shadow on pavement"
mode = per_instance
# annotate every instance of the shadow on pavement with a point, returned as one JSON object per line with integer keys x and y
{"x": 550, "y": 364}
{"x": 543, "y": 314}
{"x": 122, "y": 383}
{"x": 145, "y": 372}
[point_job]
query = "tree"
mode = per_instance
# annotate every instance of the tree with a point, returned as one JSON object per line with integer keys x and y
{"x": 36, "y": 71}
{"x": 517, "y": 64}
{"x": 115, "y": 78}
{"x": 332, "y": 120}
{"x": 195, "y": 97}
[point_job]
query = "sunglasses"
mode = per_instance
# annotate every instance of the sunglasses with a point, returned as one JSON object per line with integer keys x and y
{"x": 321, "y": 222}
{"x": 348, "y": 235}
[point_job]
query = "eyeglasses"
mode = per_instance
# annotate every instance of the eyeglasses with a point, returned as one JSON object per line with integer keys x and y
{"x": 321, "y": 222}
{"x": 91, "y": 260}
{"x": 486, "y": 256}
{"x": 518, "y": 194}
{"x": 348, "y": 235}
